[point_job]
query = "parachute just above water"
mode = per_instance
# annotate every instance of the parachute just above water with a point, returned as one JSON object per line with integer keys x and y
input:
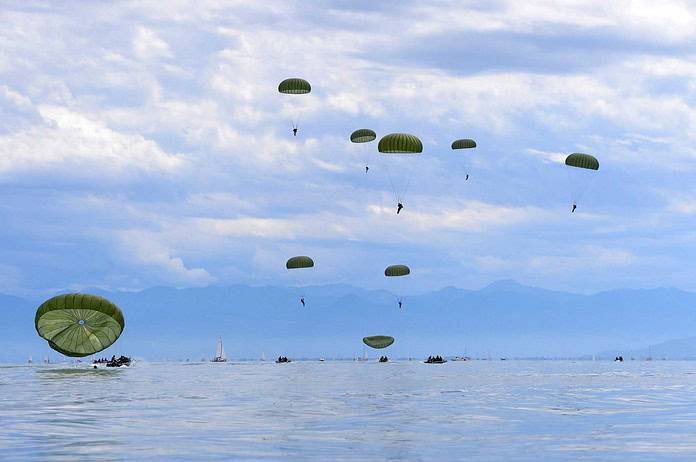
{"x": 397, "y": 271}
{"x": 294, "y": 86}
{"x": 580, "y": 160}
{"x": 79, "y": 325}
{"x": 400, "y": 143}
{"x": 464, "y": 143}
{"x": 363, "y": 135}
{"x": 299, "y": 262}
{"x": 378, "y": 341}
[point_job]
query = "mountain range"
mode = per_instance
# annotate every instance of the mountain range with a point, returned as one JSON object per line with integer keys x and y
{"x": 503, "y": 319}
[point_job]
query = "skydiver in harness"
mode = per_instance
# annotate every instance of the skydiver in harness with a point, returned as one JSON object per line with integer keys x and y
{"x": 574, "y": 207}
{"x": 467, "y": 177}
{"x": 400, "y": 303}
{"x": 367, "y": 169}
{"x": 302, "y": 301}
{"x": 399, "y": 206}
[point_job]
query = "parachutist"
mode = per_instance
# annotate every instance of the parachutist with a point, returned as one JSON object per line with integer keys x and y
{"x": 302, "y": 301}
{"x": 574, "y": 207}
{"x": 399, "y": 206}
{"x": 294, "y": 132}
{"x": 467, "y": 177}
{"x": 400, "y": 303}
{"x": 367, "y": 169}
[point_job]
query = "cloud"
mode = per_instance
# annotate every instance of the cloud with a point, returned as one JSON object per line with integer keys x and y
{"x": 145, "y": 248}
{"x": 79, "y": 146}
{"x": 147, "y": 45}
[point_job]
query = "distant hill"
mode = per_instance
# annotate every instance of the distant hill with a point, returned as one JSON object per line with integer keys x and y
{"x": 503, "y": 319}
{"x": 684, "y": 348}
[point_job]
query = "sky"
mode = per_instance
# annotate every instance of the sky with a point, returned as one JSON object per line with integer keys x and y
{"x": 143, "y": 145}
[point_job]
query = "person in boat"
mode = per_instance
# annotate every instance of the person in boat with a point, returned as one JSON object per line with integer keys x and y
{"x": 399, "y": 206}
{"x": 302, "y": 301}
{"x": 574, "y": 207}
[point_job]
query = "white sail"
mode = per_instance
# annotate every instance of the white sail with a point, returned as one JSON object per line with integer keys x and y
{"x": 219, "y": 352}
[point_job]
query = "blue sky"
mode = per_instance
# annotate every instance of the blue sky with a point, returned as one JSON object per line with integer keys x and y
{"x": 144, "y": 146}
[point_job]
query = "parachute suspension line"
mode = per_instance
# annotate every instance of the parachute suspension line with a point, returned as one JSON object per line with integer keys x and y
{"x": 394, "y": 190}
{"x": 586, "y": 187}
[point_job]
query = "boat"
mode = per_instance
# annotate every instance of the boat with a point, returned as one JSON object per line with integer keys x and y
{"x": 383, "y": 359}
{"x": 283, "y": 359}
{"x": 363, "y": 357}
{"x": 460, "y": 358}
{"x": 219, "y": 353}
{"x": 435, "y": 360}
{"x": 113, "y": 363}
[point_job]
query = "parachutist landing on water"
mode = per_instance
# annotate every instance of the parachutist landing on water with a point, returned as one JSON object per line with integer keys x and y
{"x": 302, "y": 301}
{"x": 399, "y": 206}
{"x": 574, "y": 207}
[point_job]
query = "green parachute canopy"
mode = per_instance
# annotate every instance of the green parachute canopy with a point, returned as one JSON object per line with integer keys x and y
{"x": 378, "y": 341}
{"x": 294, "y": 86}
{"x": 299, "y": 262}
{"x": 581, "y": 160}
{"x": 397, "y": 270}
{"x": 464, "y": 143}
{"x": 400, "y": 143}
{"x": 79, "y": 325}
{"x": 363, "y": 135}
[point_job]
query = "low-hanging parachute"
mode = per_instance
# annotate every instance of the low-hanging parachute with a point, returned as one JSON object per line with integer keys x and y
{"x": 378, "y": 341}
{"x": 298, "y": 263}
{"x": 397, "y": 271}
{"x": 79, "y": 325}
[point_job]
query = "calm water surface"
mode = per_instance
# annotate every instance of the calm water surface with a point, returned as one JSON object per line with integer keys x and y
{"x": 478, "y": 411}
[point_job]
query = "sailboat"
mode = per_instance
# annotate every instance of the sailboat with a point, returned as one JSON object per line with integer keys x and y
{"x": 364, "y": 355}
{"x": 219, "y": 352}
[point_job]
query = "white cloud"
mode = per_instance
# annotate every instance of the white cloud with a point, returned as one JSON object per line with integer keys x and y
{"x": 147, "y": 249}
{"x": 147, "y": 45}
{"x": 80, "y": 146}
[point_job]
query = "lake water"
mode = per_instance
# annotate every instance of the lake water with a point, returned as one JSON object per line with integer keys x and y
{"x": 335, "y": 411}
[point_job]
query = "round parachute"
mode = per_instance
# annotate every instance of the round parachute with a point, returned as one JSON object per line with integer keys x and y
{"x": 299, "y": 262}
{"x": 378, "y": 341}
{"x": 580, "y": 160}
{"x": 397, "y": 270}
{"x": 294, "y": 86}
{"x": 400, "y": 143}
{"x": 463, "y": 144}
{"x": 79, "y": 325}
{"x": 363, "y": 135}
